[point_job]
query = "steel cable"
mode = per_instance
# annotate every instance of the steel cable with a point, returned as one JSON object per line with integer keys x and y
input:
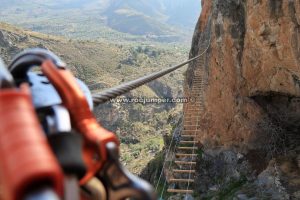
{"x": 165, "y": 161}
{"x": 165, "y": 182}
{"x": 119, "y": 90}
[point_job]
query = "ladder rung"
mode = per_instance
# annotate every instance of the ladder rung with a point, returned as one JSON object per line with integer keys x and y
{"x": 188, "y": 135}
{"x": 183, "y": 171}
{"x": 191, "y": 132}
{"x": 194, "y": 122}
{"x": 188, "y": 142}
{"x": 187, "y": 148}
{"x": 195, "y": 129}
{"x": 180, "y": 191}
{"x": 185, "y": 163}
{"x": 181, "y": 180}
{"x": 185, "y": 154}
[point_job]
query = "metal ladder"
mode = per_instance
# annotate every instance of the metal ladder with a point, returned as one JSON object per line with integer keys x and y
{"x": 185, "y": 158}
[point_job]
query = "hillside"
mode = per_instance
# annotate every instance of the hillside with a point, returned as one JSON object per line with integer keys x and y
{"x": 168, "y": 21}
{"x": 101, "y": 65}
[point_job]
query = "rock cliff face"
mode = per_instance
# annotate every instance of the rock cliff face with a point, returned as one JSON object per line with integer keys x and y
{"x": 251, "y": 123}
{"x": 253, "y": 63}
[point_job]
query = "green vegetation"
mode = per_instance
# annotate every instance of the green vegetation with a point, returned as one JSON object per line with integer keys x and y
{"x": 199, "y": 153}
{"x": 137, "y": 156}
{"x": 232, "y": 187}
{"x": 152, "y": 173}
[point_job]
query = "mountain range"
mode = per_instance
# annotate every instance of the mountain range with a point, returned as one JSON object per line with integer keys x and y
{"x": 91, "y": 19}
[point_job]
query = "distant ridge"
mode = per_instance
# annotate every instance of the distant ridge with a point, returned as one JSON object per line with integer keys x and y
{"x": 92, "y": 19}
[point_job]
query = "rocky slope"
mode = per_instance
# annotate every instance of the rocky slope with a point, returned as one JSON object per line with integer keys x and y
{"x": 250, "y": 137}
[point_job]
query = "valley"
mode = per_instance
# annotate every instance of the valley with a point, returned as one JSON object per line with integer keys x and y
{"x": 114, "y": 20}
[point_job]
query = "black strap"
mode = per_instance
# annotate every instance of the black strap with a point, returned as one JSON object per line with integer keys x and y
{"x": 67, "y": 147}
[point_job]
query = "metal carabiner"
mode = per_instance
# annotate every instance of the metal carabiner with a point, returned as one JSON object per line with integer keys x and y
{"x": 101, "y": 145}
{"x": 119, "y": 182}
{"x": 29, "y": 58}
{"x": 44, "y": 94}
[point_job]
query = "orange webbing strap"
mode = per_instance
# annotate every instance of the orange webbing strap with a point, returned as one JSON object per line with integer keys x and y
{"x": 26, "y": 160}
{"x": 95, "y": 136}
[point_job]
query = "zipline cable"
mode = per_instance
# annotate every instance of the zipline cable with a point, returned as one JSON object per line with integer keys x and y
{"x": 119, "y": 90}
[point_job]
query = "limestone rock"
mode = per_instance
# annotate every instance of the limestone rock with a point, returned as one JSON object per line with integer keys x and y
{"x": 251, "y": 90}
{"x": 255, "y": 51}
